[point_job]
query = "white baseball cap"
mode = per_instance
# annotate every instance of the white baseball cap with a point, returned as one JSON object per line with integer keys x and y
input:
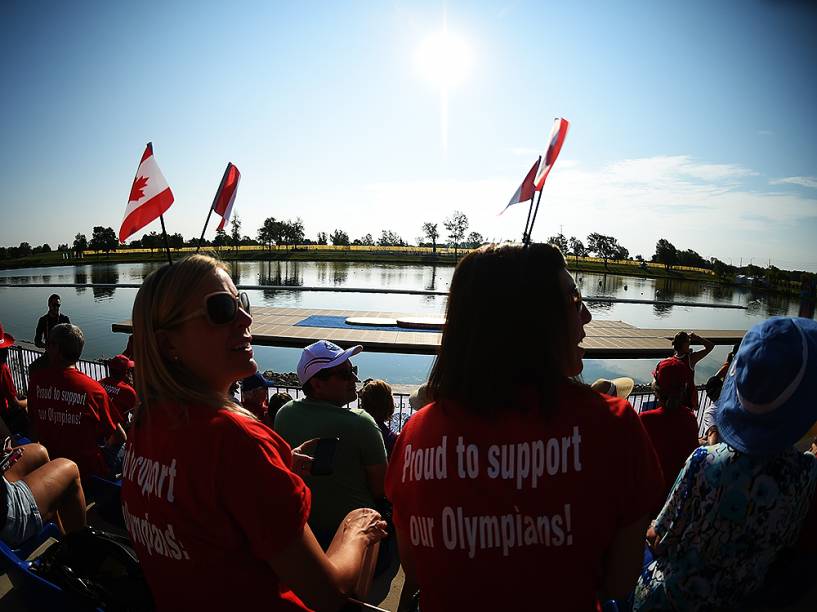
{"x": 322, "y": 355}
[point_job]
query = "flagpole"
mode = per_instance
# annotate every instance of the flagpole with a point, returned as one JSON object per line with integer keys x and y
{"x": 218, "y": 192}
{"x": 167, "y": 244}
{"x": 525, "y": 231}
{"x": 536, "y": 210}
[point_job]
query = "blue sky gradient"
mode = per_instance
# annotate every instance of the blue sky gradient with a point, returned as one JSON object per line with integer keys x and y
{"x": 691, "y": 121}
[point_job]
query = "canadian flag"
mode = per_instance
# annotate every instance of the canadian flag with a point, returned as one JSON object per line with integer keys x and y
{"x": 149, "y": 196}
{"x": 557, "y": 139}
{"x": 223, "y": 203}
{"x": 527, "y": 188}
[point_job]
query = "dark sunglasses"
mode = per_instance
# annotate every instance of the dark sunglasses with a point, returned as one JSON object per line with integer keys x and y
{"x": 221, "y": 307}
{"x": 345, "y": 373}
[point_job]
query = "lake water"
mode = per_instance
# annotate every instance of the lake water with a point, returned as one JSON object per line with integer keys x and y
{"x": 95, "y": 309}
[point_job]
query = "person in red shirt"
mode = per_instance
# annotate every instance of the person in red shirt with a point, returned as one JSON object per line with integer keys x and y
{"x": 524, "y": 488}
{"x": 70, "y": 412}
{"x": 211, "y": 497}
{"x": 12, "y": 409}
{"x": 672, "y": 426}
{"x": 119, "y": 390}
{"x": 681, "y": 345}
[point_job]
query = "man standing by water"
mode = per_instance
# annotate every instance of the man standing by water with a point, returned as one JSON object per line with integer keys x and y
{"x": 49, "y": 320}
{"x": 359, "y": 463}
{"x": 681, "y": 343}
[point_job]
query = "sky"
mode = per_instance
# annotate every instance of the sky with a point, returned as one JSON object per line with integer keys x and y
{"x": 692, "y": 121}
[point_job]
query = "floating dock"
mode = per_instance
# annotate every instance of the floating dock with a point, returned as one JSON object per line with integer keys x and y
{"x": 298, "y": 327}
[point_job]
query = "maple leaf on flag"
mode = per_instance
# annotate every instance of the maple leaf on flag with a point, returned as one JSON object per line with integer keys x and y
{"x": 138, "y": 189}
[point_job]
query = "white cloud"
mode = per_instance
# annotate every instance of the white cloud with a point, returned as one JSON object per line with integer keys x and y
{"x": 802, "y": 181}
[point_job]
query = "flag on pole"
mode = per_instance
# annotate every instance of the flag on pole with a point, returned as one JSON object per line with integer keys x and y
{"x": 149, "y": 196}
{"x": 223, "y": 203}
{"x": 526, "y": 189}
{"x": 557, "y": 138}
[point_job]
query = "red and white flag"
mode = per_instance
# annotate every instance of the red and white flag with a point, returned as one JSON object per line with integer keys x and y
{"x": 149, "y": 196}
{"x": 526, "y": 189}
{"x": 223, "y": 203}
{"x": 557, "y": 138}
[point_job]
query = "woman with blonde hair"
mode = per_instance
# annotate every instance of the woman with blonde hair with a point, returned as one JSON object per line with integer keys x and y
{"x": 517, "y": 478}
{"x": 210, "y": 499}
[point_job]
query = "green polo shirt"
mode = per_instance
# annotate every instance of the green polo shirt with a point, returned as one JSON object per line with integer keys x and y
{"x": 360, "y": 445}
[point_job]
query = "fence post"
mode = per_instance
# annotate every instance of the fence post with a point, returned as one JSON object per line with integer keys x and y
{"x": 21, "y": 369}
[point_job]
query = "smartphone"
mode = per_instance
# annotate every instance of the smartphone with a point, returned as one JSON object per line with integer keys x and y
{"x": 324, "y": 457}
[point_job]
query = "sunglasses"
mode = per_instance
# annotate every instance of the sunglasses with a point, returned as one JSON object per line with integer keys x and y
{"x": 221, "y": 307}
{"x": 345, "y": 373}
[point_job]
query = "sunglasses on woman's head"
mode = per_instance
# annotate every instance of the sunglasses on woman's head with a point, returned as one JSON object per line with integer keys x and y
{"x": 221, "y": 307}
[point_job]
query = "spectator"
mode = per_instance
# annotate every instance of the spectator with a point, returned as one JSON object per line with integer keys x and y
{"x": 121, "y": 394}
{"x": 618, "y": 387}
{"x": 47, "y": 322}
{"x": 254, "y": 390}
{"x": 220, "y": 524}
{"x": 275, "y": 402}
{"x": 681, "y": 345}
{"x": 519, "y": 485}
{"x": 328, "y": 379}
{"x": 70, "y": 412}
{"x": 735, "y": 505}
{"x": 672, "y": 427}
{"x": 13, "y": 411}
{"x": 420, "y": 397}
{"x": 377, "y": 400}
{"x": 708, "y": 423}
{"x": 36, "y": 490}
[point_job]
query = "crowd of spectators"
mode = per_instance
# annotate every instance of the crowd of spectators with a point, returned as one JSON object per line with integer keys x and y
{"x": 522, "y": 487}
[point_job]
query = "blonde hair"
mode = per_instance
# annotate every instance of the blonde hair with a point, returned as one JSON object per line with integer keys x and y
{"x": 160, "y": 305}
{"x": 377, "y": 400}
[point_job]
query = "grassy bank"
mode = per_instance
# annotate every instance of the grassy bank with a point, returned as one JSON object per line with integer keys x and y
{"x": 406, "y": 256}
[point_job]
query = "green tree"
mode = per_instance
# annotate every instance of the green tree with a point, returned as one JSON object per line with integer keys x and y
{"x": 293, "y": 231}
{"x": 605, "y": 247}
{"x": 559, "y": 241}
{"x": 322, "y": 239}
{"x": 577, "y": 248}
{"x": 474, "y": 240}
{"x": 103, "y": 239}
{"x": 431, "y": 232}
{"x": 456, "y": 226}
{"x": 339, "y": 238}
{"x": 235, "y": 230}
{"x": 80, "y": 244}
{"x": 176, "y": 241}
{"x": 24, "y": 250}
{"x": 268, "y": 231}
{"x": 389, "y": 238}
{"x": 665, "y": 253}
{"x": 221, "y": 238}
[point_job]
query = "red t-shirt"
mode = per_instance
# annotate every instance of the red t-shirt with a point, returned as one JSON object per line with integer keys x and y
{"x": 674, "y": 434}
{"x": 72, "y": 416}
{"x": 122, "y": 396}
{"x": 516, "y": 512}
{"x": 7, "y": 389}
{"x": 206, "y": 503}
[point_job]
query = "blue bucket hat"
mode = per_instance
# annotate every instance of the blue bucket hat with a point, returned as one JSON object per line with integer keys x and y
{"x": 769, "y": 398}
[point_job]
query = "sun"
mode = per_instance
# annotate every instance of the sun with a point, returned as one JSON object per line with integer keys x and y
{"x": 444, "y": 58}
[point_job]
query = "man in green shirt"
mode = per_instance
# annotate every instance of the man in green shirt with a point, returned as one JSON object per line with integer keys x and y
{"x": 359, "y": 466}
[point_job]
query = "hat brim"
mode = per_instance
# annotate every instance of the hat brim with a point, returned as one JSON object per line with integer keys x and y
{"x": 6, "y": 341}
{"x": 772, "y": 432}
{"x": 350, "y": 352}
{"x": 624, "y": 385}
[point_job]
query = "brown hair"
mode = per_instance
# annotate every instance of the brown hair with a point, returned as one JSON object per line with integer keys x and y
{"x": 505, "y": 328}
{"x": 377, "y": 400}
{"x": 160, "y": 304}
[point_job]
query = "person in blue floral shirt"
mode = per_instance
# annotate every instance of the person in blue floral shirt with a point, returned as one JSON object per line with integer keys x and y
{"x": 737, "y": 504}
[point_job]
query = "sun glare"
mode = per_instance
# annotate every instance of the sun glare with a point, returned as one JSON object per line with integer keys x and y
{"x": 444, "y": 59}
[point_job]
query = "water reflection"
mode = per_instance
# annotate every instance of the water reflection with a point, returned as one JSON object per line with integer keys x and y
{"x": 776, "y": 305}
{"x": 105, "y": 274}
{"x": 431, "y": 285}
{"x": 280, "y": 273}
{"x": 80, "y": 278}
{"x": 340, "y": 272}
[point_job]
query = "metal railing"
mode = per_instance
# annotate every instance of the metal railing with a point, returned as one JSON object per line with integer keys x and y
{"x": 21, "y": 357}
